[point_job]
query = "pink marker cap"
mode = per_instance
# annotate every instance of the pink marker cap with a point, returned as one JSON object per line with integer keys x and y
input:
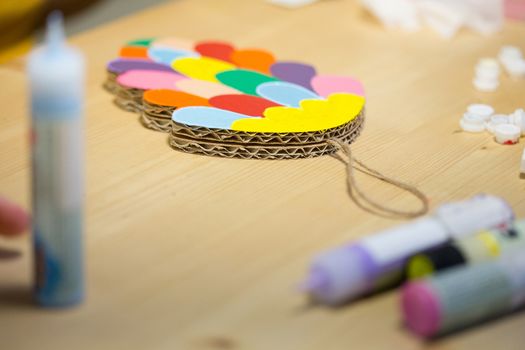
{"x": 421, "y": 309}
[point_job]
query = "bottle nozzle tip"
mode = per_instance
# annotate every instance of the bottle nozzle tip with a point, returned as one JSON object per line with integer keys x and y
{"x": 55, "y": 29}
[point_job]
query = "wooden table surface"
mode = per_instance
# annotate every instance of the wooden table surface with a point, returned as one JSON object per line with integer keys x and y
{"x": 193, "y": 252}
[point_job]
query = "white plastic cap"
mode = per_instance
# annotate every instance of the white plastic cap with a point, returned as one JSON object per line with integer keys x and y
{"x": 507, "y": 134}
{"x": 518, "y": 118}
{"x": 481, "y": 110}
{"x": 487, "y": 74}
{"x": 509, "y": 52}
{"x": 485, "y": 85}
{"x": 515, "y": 68}
{"x": 472, "y": 123}
{"x": 488, "y": 64}
{"x": 496, "y": 119}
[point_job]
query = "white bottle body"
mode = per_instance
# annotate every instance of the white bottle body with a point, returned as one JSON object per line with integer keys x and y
{"x": 56, "y": 78}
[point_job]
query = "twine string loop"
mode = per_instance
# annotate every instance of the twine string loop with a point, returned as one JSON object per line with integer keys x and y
{"x": 361, "y": 199}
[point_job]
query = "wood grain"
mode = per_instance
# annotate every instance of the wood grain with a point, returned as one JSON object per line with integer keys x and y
{"x": 191, "y": 252}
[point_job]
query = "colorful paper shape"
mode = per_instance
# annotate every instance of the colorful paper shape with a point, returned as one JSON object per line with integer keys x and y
{"x": 206, "y": 89}
{"x": 313, "y": 115}
{"x": 173, "y": 43}
{"x": 294, "y": 72}
{"x": 212, "y": 84}
{"x": 244, "y": 80}
{"x": 254, "y": 59}
{"x": 215, "y": 49}
{"x": 325, "y": 85}
{"x": 134, "y": 52}
{"x": 208, "y": 117}
{"x": 166, "y": 55}
{"x": 121, "y": 65}
{"x": 171, "y": 98}
{"x": 202, "y": 68}
{"x": 140, "y": 42}
{"x": 284, "y": 93}
{"x": 149, "y": 79}
{"x": 244, "y": 104}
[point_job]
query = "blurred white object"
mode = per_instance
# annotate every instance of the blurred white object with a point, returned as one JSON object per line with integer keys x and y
{"x": 395, "y": 13}
{"x": 487, "y": 75}
{"x": 291, "y": 3}
{"x": 512, "y": 60}
{"x": 482, "y": 110}
{"x": 472, "y": 122}
{"x": 522, "y": 167}
{"x": 474, "y": 119}
{"x": 443, "y": 18}
{"x": 496, "y": 119}
{"x": 507, "y": 134}
{"x": 446, "y": 17}
{"x": 518, "y": 118}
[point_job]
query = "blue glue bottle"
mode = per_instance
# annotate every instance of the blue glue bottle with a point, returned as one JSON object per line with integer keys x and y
{"x": 56, "y": 79}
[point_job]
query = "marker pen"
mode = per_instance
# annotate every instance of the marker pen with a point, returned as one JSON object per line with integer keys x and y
{"x": 376, "y": 262}
{"x": 56, "y": 79}
{"x": 464, "y": 295}
{"x": 484, "y": 245}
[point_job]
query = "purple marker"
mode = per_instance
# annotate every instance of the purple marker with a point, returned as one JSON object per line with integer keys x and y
{"x": 376, "y": 262}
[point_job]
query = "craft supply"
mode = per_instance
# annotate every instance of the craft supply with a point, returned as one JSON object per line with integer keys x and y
{"x": 512, "y": 60}
{"x": 325, "y": 85}
{"x": 485, "y": 245}
{"x": 259, "y": 60}
{"x": 166, "y": 55}
{"x": 482, "y": 110}
{"x": 295, "y": 72}
{"x": 298, "y": 110}
{"x": 518, "y": 118}
{"x": 158, "y": 106}
{"x": 122, "y": 65}
{"x": 465, "y": 295}
{"x": 376, "y": 262}
{"x": 472, "y": 123}
{"x": 244, "y": 103}
{"x": 507, "y": 134}
{"x": 215, "y": 49}
{"x": 496, "y": 119}
{"x": 487, "y": 75}
{"x": 56, "y": 74}
{"x": 130, "y": 86}
{"x": 475, "y": 118}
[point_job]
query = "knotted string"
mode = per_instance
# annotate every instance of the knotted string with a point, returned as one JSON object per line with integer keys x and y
{"x": 364, "y": 201}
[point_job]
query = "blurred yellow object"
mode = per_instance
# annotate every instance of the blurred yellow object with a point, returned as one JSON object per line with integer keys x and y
{"x": 18, "y": 20}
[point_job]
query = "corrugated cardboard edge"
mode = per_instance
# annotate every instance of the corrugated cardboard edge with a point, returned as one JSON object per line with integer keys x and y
{"x": 263, "y": 150}
{"x": 231, "y": 143}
